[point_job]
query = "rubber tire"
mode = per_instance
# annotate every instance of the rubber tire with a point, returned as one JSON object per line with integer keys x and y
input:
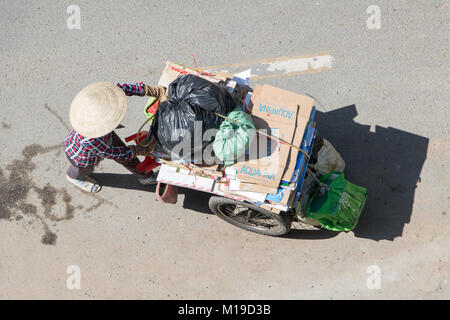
{"x": 284, "y": 220}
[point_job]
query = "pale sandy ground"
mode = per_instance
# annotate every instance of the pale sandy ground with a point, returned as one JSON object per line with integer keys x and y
{"x": 129, "y": 246}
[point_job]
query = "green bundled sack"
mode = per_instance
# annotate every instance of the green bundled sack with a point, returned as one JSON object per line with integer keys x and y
{"x": 340, "y": 207}
{"x": 234, "y": 137}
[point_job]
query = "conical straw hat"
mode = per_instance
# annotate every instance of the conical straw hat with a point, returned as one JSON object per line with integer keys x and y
{"x": 98, "y": 109}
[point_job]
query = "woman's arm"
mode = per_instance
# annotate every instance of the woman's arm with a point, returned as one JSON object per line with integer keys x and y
{"x": 140, "y": 89}
{"x": 132, "y": 89}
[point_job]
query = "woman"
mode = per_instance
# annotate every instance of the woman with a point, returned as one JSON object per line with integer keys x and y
{"x": 95, "y": 112}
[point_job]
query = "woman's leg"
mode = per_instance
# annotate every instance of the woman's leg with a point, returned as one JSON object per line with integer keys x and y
{"x": 81, "y": 178}
{"x": 75, "y": 172}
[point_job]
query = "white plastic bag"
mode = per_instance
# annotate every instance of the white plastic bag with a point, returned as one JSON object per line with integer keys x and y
{"x": 328, "y": 159}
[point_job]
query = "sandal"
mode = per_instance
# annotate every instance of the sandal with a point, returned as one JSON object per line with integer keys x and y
{"x": 87, "y": 184}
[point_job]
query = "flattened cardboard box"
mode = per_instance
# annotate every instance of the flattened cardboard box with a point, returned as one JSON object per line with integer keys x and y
{"x": 274, "y": 109}
{"x": 173, "y": 175}
{"x": 173, "y": 70}
{"x": 249, "y": 195}
{"x": 246, "y": 186}
{"x": 304, "y": 113}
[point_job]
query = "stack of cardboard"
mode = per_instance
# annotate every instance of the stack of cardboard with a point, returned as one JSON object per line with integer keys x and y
{"x": 285, "y": 115}
{"x": 269, "y": 179}
{"x": 208, "y": 179}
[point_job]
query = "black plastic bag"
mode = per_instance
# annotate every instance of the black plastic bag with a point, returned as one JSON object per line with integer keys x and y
{"x": 190, "y": 99}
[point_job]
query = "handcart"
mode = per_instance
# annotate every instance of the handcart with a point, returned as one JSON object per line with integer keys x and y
{"x": 257, "y": 216}
{"x": 287, "y": 204}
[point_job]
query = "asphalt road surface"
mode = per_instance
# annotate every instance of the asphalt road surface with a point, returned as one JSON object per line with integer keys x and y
{"x": 384, "y": 103}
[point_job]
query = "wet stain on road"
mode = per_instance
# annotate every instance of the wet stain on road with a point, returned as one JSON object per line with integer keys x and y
{"x": 49, "y": 237}
{"x": 16, "y": 185}
{"x": 57, "y": 116}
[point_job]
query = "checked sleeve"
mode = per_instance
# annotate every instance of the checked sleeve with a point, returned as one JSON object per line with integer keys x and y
{"x": 132, "y": 89}
{"x": 104, "y": 150}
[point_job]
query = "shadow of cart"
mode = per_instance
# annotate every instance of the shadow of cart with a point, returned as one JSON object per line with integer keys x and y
{"x": 387, "y": 162}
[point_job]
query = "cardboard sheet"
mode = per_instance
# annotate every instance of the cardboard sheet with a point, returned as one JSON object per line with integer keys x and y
{"x": 236, "y": 185}
{"x": 277, "y": 111}
{"x": 173, "y": 70}
{"x": 176, "y": 176}
{"x": 304, "y": 113}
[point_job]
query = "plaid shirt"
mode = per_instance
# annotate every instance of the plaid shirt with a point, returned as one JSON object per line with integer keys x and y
{"x": 86, "y": 152}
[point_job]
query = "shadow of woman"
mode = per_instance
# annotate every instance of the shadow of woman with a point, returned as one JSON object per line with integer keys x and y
{"x": 193, "y": 199}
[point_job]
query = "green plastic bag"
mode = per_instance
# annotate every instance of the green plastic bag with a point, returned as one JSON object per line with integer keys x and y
{"x": 150, "y": 109}
{"x": 340, "y": 207}
{"x": 233, "y": 139}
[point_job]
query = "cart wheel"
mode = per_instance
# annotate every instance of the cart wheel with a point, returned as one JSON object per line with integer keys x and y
{"x": 250, "y": 217}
